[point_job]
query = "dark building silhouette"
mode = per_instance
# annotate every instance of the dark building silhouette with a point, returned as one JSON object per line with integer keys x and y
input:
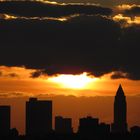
{"x": 38, "y": 117}
{"x": 120, "y": 112}
{"x": 63, "y": 125}
{"x": 4, "y": 120}
{"x": 135, "y": 130}
{"x": 88, "y": 125}
{"x": 104, "y": 128}
{"x": 14, "y": 132}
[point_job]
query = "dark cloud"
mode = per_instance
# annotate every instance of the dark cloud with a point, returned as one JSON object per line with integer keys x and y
{"x": 40, "y": 9}
{"x": 38, "y": 73}
{"x": 103, "y": 2}
{"x": 13, "y": 75}
{"x": 95, "y": 44}
{"x": 108, "y": 3}
{"x": 130, "y": 49}
{"x": 1, "y": 74}
{"x": 134, "y": 11}
{"x": 118, "y": 75}
{"x": 77, "y": 45}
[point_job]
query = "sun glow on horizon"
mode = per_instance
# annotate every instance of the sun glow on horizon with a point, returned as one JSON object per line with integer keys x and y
{"x": 80, "y": 81}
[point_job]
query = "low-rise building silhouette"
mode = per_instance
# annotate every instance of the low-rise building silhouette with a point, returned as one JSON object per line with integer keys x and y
{"x": 135, "y": 130}
{"x": 4, "y": 120}
{"x": 88, "y": 125}
{"x": 63, "y": 125}
{"x": 104, "y": 128}
{"x": 38, "y": 117}
{"x": 14, "y": 132}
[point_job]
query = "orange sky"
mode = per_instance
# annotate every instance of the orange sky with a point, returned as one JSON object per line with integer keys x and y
{"x": 73, "y": 95}
{"x": 18, "y": 80}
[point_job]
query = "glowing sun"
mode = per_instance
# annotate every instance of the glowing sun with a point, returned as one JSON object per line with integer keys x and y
{"x": 73, "y": 81}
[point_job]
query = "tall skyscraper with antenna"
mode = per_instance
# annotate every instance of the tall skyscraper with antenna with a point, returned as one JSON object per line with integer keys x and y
{"x": 120, "y": 112}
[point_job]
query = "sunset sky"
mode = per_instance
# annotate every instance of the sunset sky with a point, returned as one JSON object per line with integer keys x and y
{"x": 74, "y": 52}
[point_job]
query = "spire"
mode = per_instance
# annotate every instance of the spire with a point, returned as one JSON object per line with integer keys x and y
{"x": 120, "y": 91}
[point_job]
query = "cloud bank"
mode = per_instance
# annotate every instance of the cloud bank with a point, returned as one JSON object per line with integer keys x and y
{"x": 47, "y": 9}
{"x": 91, "y": 42}
{"x": 133, "y": 11}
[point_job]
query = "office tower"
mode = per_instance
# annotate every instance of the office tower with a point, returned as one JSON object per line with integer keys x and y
{"x": 4, "y": 120}
{"x": 38, "y": 117}
{"x": 63, "y": 125}
{"x": 120, "y": 112}
{"x": 88, "y": 125}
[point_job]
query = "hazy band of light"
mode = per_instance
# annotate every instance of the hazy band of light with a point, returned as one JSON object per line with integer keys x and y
{"x": 56, "y": 3}
{"x": 126, "y": 6}
{"x": 11, "y": 17}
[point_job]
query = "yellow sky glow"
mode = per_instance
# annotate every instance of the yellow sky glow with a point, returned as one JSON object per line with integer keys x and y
{"x": 73, "y": 81}
{"x": 127, "y": 19}
{"x": 15, "y": 80}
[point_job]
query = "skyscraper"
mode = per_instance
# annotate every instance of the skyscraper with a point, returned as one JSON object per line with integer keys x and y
{"x": 38, "y": 117}
{"x": 4, "y": 120}
{"x": 63, "y": 125}
{"x": 120, "y": 112}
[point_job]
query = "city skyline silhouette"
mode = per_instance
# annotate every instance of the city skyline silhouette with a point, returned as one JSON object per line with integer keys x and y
{"x": 61, "y": 63}
{"x": 39, "y": 120}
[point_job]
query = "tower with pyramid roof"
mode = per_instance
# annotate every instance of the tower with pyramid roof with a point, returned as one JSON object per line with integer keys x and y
{"x": 120, "y": 112}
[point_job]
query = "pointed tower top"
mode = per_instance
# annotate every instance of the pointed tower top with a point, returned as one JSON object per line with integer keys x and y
{"x": 120, "y": 91}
